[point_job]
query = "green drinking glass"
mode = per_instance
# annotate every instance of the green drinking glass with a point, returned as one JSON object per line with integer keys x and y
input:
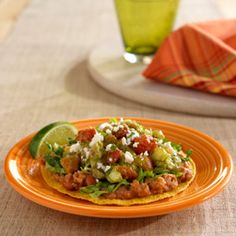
{"x": 144, "y": 24}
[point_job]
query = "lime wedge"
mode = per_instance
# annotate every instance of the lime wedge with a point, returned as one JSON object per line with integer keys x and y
{"x": 58, "y": 132}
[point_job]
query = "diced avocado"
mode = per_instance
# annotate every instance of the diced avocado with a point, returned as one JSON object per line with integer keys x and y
{"x": 160, "y": 154}
{"x": 70, "y": 163}
{"x": 160, "y": 157}
{"x": 158, "y": 134}
{"x": 97, "y": 151}
{"x": 133, "y": 124}
{"x": 110, "y": 139}
{"x": 138, "y": 161}
{"x": 114, "y": 176}
{"x": 96, "y": 154}
{"x": 177, "y": 160}
{"x": 97, "y": 173}
{"x": 170, "y": 164}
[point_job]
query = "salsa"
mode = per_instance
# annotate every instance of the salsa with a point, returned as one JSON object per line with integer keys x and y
{"x": 119, "y": 159}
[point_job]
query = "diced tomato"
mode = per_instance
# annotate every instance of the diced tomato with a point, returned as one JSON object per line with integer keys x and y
{"x": 127, "y": 172}
{"x": 144, "y": 144}
{"x": 90, "y": 180}
{"x": 121, "y": 132}
{"x": 70, "y": 163}
{"x": 86, "y": 135}
{"x": 114, "y": 156}
{"x": 147, "y": 163}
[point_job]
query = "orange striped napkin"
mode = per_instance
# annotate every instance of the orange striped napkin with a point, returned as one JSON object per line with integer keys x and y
{"x": 200, "y": 56}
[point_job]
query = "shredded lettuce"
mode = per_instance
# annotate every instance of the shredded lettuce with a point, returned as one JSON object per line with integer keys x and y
{"x": 52, "y": 158}
{"x": 71, "y": 141}
{"x": 161, "y": 171}
{"x": 97, "y": 193}
{"x": 101, "y": 188}
{"x": 53, "y": 164}
{"x": 123, "y": 182}
{"x": 188, "y": 154}
{"x": 55, "y": 149}
{"x": 177, "y": 147}
{"x": 144, "y": 174}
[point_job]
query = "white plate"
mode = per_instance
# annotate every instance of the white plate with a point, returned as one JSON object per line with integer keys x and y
{"x": 112, "y": 72}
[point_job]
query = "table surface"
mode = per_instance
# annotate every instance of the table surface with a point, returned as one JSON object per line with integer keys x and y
{"x": 44, "y": 78}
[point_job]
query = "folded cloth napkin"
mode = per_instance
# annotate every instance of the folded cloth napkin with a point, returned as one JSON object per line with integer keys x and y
{"x": 200, "y": 56}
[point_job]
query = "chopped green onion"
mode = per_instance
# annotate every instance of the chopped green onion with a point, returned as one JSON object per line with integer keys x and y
{"x": 53, "y": 163}
{"x": 113, "y": 120}
{"x": 71, "y": 141}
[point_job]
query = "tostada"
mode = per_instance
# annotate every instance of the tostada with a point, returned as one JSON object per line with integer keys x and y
{"x": 119, "y": 162}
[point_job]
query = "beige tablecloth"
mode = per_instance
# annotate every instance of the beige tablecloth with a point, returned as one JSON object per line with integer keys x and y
{"x": 44, "y": 78}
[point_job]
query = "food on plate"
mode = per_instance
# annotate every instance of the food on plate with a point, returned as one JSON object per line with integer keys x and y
{"x": 118, "y": 162}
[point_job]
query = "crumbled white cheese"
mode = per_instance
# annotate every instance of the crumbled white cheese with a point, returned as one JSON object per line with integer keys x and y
{"x": 132, "y": 134}
{"x": 96, "y": 138}
{"x": 136, "y": 134}
{"x": 176, "y": 159}
{"x": 148, "y": 131}
{"x": 141, "y": 157}
{"x": 145, "y": 153}
{"x": 108, "y": 131}
{"x": 103, "y": 167}
{"x": 167, "y": 145}
{"x": 108, "y": 147}
{"x": 75, "y": 147}
{"x": 135, "y": 145}
{"x": 160, "y": 141}
{"x": 105, "y": 125}
{"x": 107, "y": 168}
{"x": 160, "y": 133}
{"x": 149, "y": 138}
{"x": 124, "y": 141}
{"x": 86, "y": 153}
{"x": 116, "y": 128}
{"x": 100, "y": 165}
{"x": 169, "y": 148}
{"x": 121, "y": 120}
{"x": 110, "y": 159}
{"x": 128, "y": 157}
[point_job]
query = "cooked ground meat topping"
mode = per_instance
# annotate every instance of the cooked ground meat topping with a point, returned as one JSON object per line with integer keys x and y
{"x": 119, "y": 159}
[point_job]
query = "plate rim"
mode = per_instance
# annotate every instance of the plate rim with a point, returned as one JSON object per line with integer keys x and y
{"x": 108, "y": 211}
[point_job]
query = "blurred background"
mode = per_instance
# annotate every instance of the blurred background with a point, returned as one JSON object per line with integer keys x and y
{"x": 44, "y": 47}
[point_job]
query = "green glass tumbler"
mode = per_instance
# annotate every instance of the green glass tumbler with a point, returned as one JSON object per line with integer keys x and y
{"x": 144, "y": 24}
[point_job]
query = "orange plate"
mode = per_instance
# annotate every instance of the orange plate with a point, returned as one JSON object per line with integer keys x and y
{"x": 214, "y": 169}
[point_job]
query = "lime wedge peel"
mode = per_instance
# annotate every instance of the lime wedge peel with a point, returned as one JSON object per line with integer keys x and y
{"x": 57, "y": 132}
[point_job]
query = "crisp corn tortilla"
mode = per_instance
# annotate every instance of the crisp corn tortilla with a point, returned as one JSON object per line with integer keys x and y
{"x": 49, "y": 179}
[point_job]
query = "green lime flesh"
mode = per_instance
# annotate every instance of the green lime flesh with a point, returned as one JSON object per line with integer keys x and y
{"x": 58, "y": 132}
